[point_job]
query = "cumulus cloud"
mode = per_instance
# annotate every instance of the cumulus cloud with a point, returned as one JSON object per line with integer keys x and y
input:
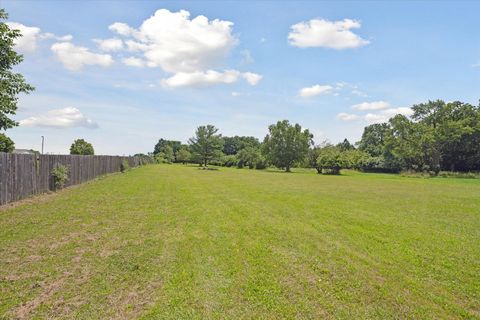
{"x": 315, "y": 90}
{"x": 188, "y": 48}
{"x": 134, "y": 62}
{"x": 176, "y": 43}
{"x": 28, "y": 41}
{"x": 60, "y": 118}
{"x": 49, "y": 35}
{"x": 347, "y": 116}
{"x": 386, "y": 114}
{"x": 109, "y": 45}
{"x": 325, "y": 33}
{"x": 375, "y": 105}
{"x": 208, "y": 78}
{"x": 75, "y": 58}
{"x": 252, "y": 78}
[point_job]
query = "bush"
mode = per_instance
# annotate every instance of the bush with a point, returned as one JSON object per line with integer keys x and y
{"x": 229, "y": 161}
{"x": 124, "y": 166}
{"x": 6, "y": 144}
{"x": 60, "y": 176}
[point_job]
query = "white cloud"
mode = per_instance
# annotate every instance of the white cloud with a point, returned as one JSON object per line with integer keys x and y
{"x": 74, "y": 57}
{"x": 375, "y": 105}
{"x": 252, "y": 78}
{"x": 236, "y": 94}
{"x": 109, "y": 45}
{"x": 134, "y": 62}
{"x": 347, "y": 116}
{"x": 476, "y": 65}
{"x": 60, "y": 118}
{"x": 325, "y": 33}
{"x": 200, "y": 78}
{"x": 122, "y": 29}
{"x": 49, "y": 35}
{"x": 207, "y": 78}
{"x": 28, "y": 41}
{"x": 176, "y": 43}
{"x": 359, "y": 93}
{"x": 386, "y": 114}
{"x": 315, "y": 90}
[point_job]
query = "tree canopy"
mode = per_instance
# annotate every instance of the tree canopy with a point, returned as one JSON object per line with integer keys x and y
{"x": 81, "y": 147}
{"x": 6, "y": 144}
{"x": 206, "y": 145}
{"x": 286, "y": 144}
{"x": 11, "y": 83}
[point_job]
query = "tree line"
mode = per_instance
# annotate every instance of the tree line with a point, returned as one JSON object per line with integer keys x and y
{"x": 439, "y": 136}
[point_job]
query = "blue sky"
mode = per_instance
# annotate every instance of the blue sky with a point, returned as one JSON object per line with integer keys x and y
{"x": 241, "y": 68}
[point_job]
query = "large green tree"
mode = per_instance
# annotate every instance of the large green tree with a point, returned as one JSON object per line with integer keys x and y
{"x": 162, "y": 145}
{"x": 82, "y": 147}
{"x": 11, "y": 83}
{"x": 207, "y": 144}
{"x": 232, "y": 145}
{"x": 286, "y": 144}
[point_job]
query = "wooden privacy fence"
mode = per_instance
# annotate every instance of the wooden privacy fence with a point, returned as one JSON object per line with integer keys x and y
{"x": 23, "y": 175}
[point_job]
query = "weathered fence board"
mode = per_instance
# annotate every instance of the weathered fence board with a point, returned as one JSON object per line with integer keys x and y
{"x": 23, "y": 175}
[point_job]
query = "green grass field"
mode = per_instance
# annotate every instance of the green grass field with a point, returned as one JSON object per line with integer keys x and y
{"x": 174, "y": 242}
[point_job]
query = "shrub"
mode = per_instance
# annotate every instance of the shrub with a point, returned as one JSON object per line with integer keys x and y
{"x": 6, "y": 144}
{"x": 124, "y": 166}
{"x": 60, "y": 176}
{"x": 230, "y": 161}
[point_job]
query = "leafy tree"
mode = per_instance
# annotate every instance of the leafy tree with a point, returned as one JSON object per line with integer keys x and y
{"x": 183, "y": 155}
{"x": 206, "y": 145}
{"x": 413, "y": 144}
{"x": 82, "y": 147}
{"x": 11, "y": 84}
{"x": 166, "y": 155}
{"x": 249, "y": 156}
{"x": 286, "y": 144}
{"x": 162, "y": 144}
{"x": 345, "y": 145}
{"x": 232, "y": 145}
{"x": 6, "y": 144}
{"x": 330, "y": 160}
{"x": 373, "y": 139}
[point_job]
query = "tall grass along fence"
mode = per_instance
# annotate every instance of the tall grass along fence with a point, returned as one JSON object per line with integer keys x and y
{"x": 23, "y": 175}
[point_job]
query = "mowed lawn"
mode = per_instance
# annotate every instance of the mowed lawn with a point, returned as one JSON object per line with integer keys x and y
{"x": 175, "y": 242}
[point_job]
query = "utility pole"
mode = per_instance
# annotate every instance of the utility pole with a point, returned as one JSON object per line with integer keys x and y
{"x": 43, "y": 140}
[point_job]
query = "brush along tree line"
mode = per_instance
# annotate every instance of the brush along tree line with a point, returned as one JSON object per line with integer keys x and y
{"x": 439, "y": 136}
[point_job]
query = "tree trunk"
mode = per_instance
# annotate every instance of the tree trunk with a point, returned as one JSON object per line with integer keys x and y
{"x": 287, "y": 169}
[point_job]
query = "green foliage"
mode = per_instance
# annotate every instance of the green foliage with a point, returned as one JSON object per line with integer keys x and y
{"x": 124, "y": 166}
{"x": 440, "y": 136}
{"x": 81, "y": 147}
{"x": 172, "y": 146}
{"x": 345, "y": 145}
{"x": 286, "y": 145}
{"x": 11, "y": 84}
{"x": 6, "y": 144}
{"x": 232, "y": 145}
{"x": 166, "y": 155}
{"x": 230, "y": 160}
{"x": 330, "y": 160}
{"x": 60, "y": 176}
{"x": 250, "y": 157}
{"x": 183, "y": 155}
{"x": 207, "y": 145}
